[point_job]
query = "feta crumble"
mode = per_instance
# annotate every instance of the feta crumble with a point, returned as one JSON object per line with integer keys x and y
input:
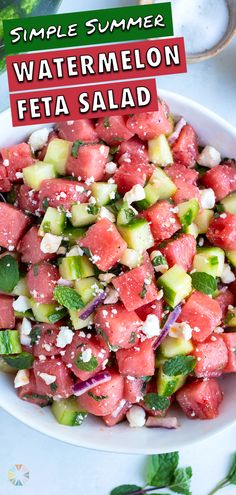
{"x": 48, "y": 379}
{"x": 50, "y": 243}
{"x": 208, "y": 198}
{"x": 105, "y": 213}
{"x": 151, "y": 326}
{"x": 25, "y": 329}
{"x": 137, "y": 193}
{"x": 136, "y": 417}
{"x": 227, "y": 275}
{"x": 209, "y": 157}
{"x": 181, "y": 330}
{"x": 38, "y": 139}
{"x": 21, "y": 304}
{"x": 111, "y": 168}
{"x": 64, "y": 337}
{"x": 86, "y": 355}
{"x": 21, "y": 378}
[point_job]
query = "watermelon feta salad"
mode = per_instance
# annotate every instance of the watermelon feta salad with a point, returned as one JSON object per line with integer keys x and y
{"x": 117, "y": 270}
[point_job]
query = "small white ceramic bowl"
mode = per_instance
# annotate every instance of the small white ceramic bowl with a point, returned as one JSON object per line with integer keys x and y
{"x": 93, "y": 434}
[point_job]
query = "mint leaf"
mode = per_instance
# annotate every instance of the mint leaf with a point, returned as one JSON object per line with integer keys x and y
{"x": 35, "y": 335}
{"x": 92, "y": 209}
{"x": 21, "y": 361}
{"x": 159, "y": 260}
{"x": 98, "y": 398}
{"x": 230, "y": 478}
{"x": 68, "y": 297}
{"x": 143, "y": 292}
{"x": 179, "y": 365}
{"x": 9, "y": 273}
{"x": 132, "y": 337}
{"x": 75, "y": 148}
{"x": 129, "y": 214}
{"x": 182, "y": 481}
{"x": 161, "y": 469}
{"x": 156, "y": 402}
{"x": 203, "y": 282}
{"x": 91, "y": 365}
{"x": 125, "y": 489}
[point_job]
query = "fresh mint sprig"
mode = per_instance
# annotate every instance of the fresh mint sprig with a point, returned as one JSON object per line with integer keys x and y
{"x": 230, "y": 478}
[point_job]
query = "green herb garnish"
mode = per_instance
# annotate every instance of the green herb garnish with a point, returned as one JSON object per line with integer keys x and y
{"x": 132, "y": 337}
{"x": 230, "y": 478}
{"x": 159, "y": 260}
{"x": 92, "y": 209}
{"x": 22, "y": 361}
{"x": 156, "y": 402}
{"x": 203, "y": 282}
{"x": 68, "y": 297}
{"x": 35, "y": 335}
{"x": 98, "y": 398}
{"x": 91, "y": 365}
{"x": 179, "y": 365}
{"x": 9, "y": 273}
{"x": 75, "y": 148}
{"x": 45, "y": 203}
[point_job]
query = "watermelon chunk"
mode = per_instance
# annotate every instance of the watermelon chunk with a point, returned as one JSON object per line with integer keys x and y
{"x": 29, "y": 248}
{"x": 135, "y": 288}
{"x": 62, "y": 192}
{"x": 133, "y": 389}
{"x": 133, "y": 148}
{"x": 41, "y": 280}
{"x": 72, "y": 130}
{"x": 28, "y": 199}
{"x": 16, "y": 158}
{"x": 202, "y": 313}
{"x": 163, "y": 221}
{"x": 30, "y": 392}
{"x": 212, "y": 356}
{"x": 46, "y": 341}
{"x": 222, "y": 231}
{"x": 121, "y": 327}
{"x": 185, "y": 148}
{"x": 185, "y": 191}
{"x": 7, "y": 317}
{"x": 222, "y": 179}
{"x": 130, "y": 173}
{"x": 200, "y": 399}
{"x": 105, "y": 244}
{"x": 150, "y": 124}
{"x": 109, "y": 394}
{"x": 90, "y": 162}
{"x": 225, "y": 299}
{"x": 180, "y": 251}
{"x": 13, "y": 223}
{"x": 61, "y": 386}
{"x": 118, "y": 414}
{"x": 5, "y": 183}
{"x": 177, "y": 171}
{"x": 230, "y": 341}
{"x": 152, "y": 308}
{"x": 112, "y": 130}
{"x": 138, "y": 361}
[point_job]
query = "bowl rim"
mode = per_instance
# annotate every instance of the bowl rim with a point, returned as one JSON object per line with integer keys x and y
{"x": 94, "y": 443}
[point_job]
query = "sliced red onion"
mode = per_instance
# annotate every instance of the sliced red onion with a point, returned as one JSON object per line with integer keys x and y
{"x": 173, "y": 316}
{"x": 170, "y": 423}
{"x": 178, "y": 128}
{"x": 81, "y": 387}
{"x": 92, "y": 305}
{"x": 2, "y": 198}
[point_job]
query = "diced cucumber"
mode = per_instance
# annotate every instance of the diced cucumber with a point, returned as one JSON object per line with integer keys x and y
{"x": 209, "y": 260}
{"x": 126, "y": 214}
{"x": 72, "y": 234}
{"x": 230, "y": 319}
{"x": 103, "y": 192}
{"x": 47, "y": 313}
{"x": 176, "y": 284}
{"x": 35, "y": 174}
{"x": 231, "y": 256}
{"x": 21, "y": 289}
{"x": 137, "y": 234}
{"x": 5, "y": 368}
{"x": 187, "y": 212}
{"x": 73, "y": 267}
{"x": 27, "y": 314}
{"x": 131, "y": 258}
{"x": 159, "y": 151}
{"x": 68, "y": 412}
{"x": 54, "y": 221}
{"x": 159, "y": 358}
{"x": 77, "y": 323}
{"x": 81, "y": 215}
{"x": 160, "y": 186}
{"x": 203, "y": 220}
{"x": 58, "y": 151}
{"x": 10, "y": 342}
{"x": 22, "y": 361}
{"x": 168, "y": 385}
{"x": 172, "y": 347}
{"x": 229, "y": 203}
{"x": 86, "y": 287}
{"x": 192, "y": 229}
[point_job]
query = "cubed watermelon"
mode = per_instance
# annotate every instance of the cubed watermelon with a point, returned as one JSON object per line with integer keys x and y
{"x": 177, "y": 171}
{"x": 133, "y": 389}
{"x": 212, "y": 356}
{"x": 89, "y": 163}
{"x": 163, "y": 221}
{"x": 119, "y": 326}
{"x": 41, "y": 280}
{"x": 30, "y": 392}
{"x": 185, "y": 148}
{"x": 222, "y": 231}
{"x": 103, "y": 399}
{"x": 118, "y": 414}
{"x": 225, "y": 299}
{"x": 132, "y": 148}
{"x": 13, "y": 224}
{"x": 74, "y": 130}
{"x": 222, "y": 179}
{"x": 152, "y": 308}
{"x": 29, "y": 248}
{"x": 230, "y": 341}
{"x": 135, "y": 287}
{"x": 62, "y": 192}
{"x": 15, "y": 159}
{"x": 105, "y": 244}
{"x": 200, "y": 399}
{"x": 7, "y": 317}
{"x": 5, "y": 183}
{"x": 150, "y": 124}
{"x": 28, "y": 199}
{"x": 112, "y": 130}
{"x": 185, "y": 191}
{"x": 131, "y": 173}
{"x": 180, "y": 251}
{"x": 45, "y": 340}
{"x": 138, "y": 361}
{"x": 202, "y": 313}
{"x": 52, "y": 369}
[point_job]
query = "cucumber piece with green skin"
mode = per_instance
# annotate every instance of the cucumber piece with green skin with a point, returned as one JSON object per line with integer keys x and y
{"x": 231, "y": 257}
{"x": 27, "y": 314}
{"x": 67, "y": 412}
{"x": 187, "y": 212}
{"x": 131, "y": 258}
{"x": 21, "y": 289}
{"x": 176, "y": 284}
{"x": 203, "y": 220}
{"x": 35, "y": 174}
{"x": 172, "y": 347}
{"x": 209, "y": 260}
{"x": 126, "y": 214}
{"x": 54, "y": 222}
{"x": 192, "y": 229}
{"x": 159, "y": 187}
{"x": 73, "y": 234}
{"x": 87, "y": 287}
{"x": 58, "y": 152}
{"x": 81, "y": 215}
{"x": 229, "y": 203}
{"x": 103, "y": 192}
{"x": 22, "y": 361}
{"x": 159, "y": 358}
{"x": 10, "y": 342}
{"x": 77, "y": 323}
{"x": 230, "y": 319}
{"x": 137, "y": 234}
{"x": 168, "y": 385}
{"x": 159, "y": 151}
{"x": 4, "y": 367}
{"x": 73, "y": 267}
{"x": 47, "y": 313}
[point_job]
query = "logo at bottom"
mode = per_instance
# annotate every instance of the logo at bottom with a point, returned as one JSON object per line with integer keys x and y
{"x": 18, "y": 475}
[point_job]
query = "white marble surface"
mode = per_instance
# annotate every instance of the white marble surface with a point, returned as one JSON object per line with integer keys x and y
{"x": 60, "y": 469}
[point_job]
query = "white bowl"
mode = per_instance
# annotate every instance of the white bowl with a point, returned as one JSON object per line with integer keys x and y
{"x": 93, "y": 434}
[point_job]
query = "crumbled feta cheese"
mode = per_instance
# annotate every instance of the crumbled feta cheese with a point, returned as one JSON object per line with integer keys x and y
{"x": 38, "y": 139}
{"x": 136, "y": 417}
{"x": 112, "y": 195}
{"x": 105, "y": 213}
{"x": 21, "y": 304}
{"x": 137, "y": 193}
{"x": 25, "y": 329}
{"x": 130, "y": 258}
{"x": 92, "y": 200}
{"x": 48, "y": 379}
{"x": 112, "y": 297}
{"x": 63, "y": 281}
{"x": 151, "y": 326}
{"x": 111, "y": 168}
{"x": 21, "y": 378}
{"x": 209, "y": 157}
{"x": 181, "y": 330}
{"x": 219, "y": 330}
{"x": 106, "y": 277}
{"x": 160, "y": 295}
{"x": 89, "y": 181}
{"x": 227, "y": 276}
{"x": 201, "y": 241}
{"x": 94, "y": 258}
{"x": 75, "y": 251}
{"x": 86, "y": 355}
{"x": 208, "y": 198}
{"x": 19, "y": 175}
{"x": 50, "y": 243}
{"x": 6, "y": 163}
{"x": 42, "y": 357}
{"x": 159, "y": 268}
{"x": 64, "y": 337}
